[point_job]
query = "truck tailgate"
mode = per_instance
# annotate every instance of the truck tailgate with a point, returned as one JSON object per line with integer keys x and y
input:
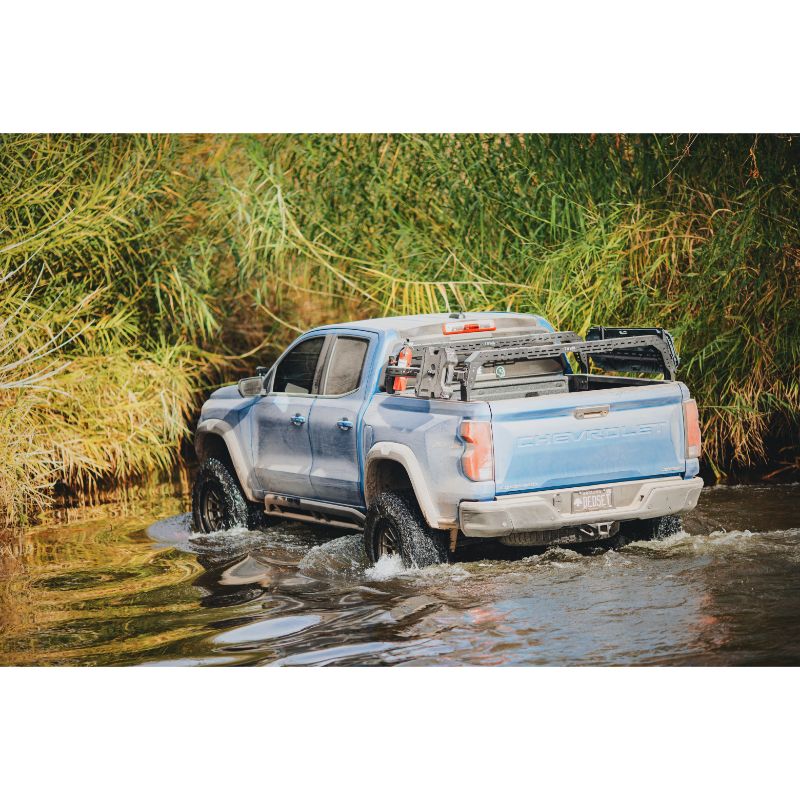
{"x": 581, "y": 438}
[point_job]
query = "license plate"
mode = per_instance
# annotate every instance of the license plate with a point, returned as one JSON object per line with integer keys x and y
{"x": 592, "y": 500}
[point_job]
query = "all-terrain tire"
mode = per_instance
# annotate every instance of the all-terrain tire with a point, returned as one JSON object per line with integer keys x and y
{"x": 218, "y": 502}
{"x": 395, "y": 524}
{"x": 646, "y": 529}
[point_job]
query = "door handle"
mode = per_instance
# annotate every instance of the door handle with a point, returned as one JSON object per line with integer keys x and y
{"x": 345, "y": 424}
{"x": 298, "y": 419}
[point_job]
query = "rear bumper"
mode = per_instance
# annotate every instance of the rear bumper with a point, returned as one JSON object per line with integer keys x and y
{"x": 536, "y": 511}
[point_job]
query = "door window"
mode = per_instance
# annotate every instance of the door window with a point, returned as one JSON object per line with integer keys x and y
{"x": 345, "y": 365}
{"x": 296, "y": 370}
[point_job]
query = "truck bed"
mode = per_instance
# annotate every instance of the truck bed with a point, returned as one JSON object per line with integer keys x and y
{"x": 553, "y": 427}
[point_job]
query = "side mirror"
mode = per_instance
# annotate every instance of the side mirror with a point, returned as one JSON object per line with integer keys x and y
{"x": 251, "y": 387}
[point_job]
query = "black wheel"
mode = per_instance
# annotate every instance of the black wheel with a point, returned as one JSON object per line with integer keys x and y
{"x": 218, "y": 503}
{"x": 645, "y": 529}
{"x": 395, "y": 526}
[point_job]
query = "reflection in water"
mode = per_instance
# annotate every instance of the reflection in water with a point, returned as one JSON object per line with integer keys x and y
{"x": 725, "y": 590}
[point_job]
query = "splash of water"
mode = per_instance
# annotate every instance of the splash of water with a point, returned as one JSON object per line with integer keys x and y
{"x": 172, "y": 531}
{"x": 342, "y": 557}
{"x": 386, "y": 567}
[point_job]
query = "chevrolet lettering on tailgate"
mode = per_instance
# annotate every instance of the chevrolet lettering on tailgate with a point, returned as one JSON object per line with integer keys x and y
{"x": 563, "y": 437}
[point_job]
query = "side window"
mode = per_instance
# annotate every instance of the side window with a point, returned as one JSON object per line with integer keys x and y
{"x": 295, "y": 373}
{"x": 345, "y": 365}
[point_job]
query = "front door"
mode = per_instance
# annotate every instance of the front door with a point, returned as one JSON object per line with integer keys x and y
{"x": 334, "y": 429}
{"x": 282, "y": 446}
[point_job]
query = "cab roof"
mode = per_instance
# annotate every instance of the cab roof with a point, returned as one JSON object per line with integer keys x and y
{"x": 427, "y": 324}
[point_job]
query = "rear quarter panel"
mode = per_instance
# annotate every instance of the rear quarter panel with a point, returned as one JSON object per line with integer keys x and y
{"x": 430, "y": 429}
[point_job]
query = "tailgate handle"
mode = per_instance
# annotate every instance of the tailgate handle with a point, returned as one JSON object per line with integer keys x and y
{"x": 591, "y": 412}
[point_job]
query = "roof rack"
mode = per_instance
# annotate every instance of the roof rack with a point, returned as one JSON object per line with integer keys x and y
{"x": 439, "y": 366}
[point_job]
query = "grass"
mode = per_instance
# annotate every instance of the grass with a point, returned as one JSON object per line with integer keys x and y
{"x": 699, "y": 234}
{"x": 135, "y": 269}
{"x": 108, "y": 411}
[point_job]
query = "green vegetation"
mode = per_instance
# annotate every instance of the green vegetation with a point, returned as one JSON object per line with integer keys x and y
{"x": 137, "y": 270}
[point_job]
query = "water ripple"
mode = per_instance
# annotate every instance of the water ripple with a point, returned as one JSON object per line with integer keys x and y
{"x": 723, "y": 590}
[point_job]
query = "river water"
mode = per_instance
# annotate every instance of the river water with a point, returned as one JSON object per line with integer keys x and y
{"x": 140, "y": 588}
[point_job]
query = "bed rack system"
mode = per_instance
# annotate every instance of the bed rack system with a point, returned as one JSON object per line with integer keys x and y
{"x": 444, "y": 368}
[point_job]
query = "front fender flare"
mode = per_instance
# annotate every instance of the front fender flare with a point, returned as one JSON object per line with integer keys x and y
{"x": 244, "y": 470}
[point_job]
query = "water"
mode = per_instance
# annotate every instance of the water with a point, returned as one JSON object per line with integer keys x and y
{"x": 131, "y": 590}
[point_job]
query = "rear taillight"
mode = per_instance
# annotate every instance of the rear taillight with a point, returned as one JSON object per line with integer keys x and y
{"x": 468, "y": 326}
{"x": 691, "y": 424}
{"x": 403, "y": 360}
{"x": 478, "y": 459}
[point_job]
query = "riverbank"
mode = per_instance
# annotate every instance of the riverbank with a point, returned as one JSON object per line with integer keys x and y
{"x": 149, "y": 498}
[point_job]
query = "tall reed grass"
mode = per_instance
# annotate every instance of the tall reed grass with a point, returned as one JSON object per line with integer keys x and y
{"x": 134, "y": 270}
{"x": 98, "y": 368}
{"x": 698, "y": 234}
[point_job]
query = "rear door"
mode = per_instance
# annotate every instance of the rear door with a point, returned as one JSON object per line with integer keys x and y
{"x": 334, "y": 424}
{"x": 282, "y": 446}
{"x": 581, "y": 438}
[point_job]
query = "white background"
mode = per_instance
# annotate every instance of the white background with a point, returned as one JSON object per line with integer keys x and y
{"x": 419, "y": 65}
{"x": 411, "y": 66}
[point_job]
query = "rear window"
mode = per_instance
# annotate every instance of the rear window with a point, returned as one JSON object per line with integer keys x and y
{"x": 345, "y": 365}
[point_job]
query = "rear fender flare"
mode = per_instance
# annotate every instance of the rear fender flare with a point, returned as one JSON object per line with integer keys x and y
{"x": 404, "y": 455}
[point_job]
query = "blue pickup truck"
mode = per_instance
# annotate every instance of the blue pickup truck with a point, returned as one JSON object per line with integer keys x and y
{"x": 429, "y": 432}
